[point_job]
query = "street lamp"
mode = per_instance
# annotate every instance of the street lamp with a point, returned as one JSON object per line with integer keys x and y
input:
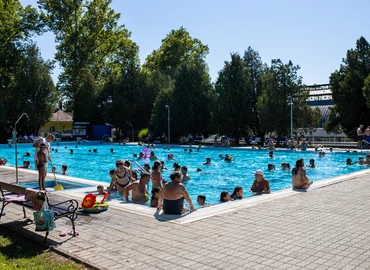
{"x": 291, "y": 116}
{"x": 169, "y": 125}
{"x": 15, "y": 146}
{"x": 132, "y": 131}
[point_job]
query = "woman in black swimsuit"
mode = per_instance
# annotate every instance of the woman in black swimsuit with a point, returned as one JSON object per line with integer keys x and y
{"x": 122, "y": 175}
{"x": 173, "y": 195}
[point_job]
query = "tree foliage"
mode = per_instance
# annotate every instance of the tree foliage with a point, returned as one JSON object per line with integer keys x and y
{"x": 232, "y": 97}
{"x": 177, "y": 47}
{"x": 89, "y": 40}
{"x": 32, "y": 90}
{"x": 279, "y": 83}
{"x": 350, "y": 91}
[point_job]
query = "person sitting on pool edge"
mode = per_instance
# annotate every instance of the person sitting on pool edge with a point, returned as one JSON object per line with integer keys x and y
{"x": 260, "y": 184}
{"x": 138, "y": 189}
{"x": 299, "y": 178}
{"x": 173, "y": 195}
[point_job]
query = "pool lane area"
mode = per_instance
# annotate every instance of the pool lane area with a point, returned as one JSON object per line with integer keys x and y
{"x": 77, "y": 188}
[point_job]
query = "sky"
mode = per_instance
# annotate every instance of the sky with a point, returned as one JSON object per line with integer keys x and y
{"x": 313, "y": 34}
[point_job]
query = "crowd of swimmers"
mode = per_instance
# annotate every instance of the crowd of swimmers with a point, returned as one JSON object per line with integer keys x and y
{"x": 170, "y": 195}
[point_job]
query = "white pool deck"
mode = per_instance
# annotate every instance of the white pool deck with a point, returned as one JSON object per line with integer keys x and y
{"x": 327, "y": 227}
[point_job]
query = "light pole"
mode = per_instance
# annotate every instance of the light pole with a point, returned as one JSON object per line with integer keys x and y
{"x": 16, "y": 148}
{"x": 169, "y": 124}
{"x": 291, "y": 116}
{"x": 132, "y": 131}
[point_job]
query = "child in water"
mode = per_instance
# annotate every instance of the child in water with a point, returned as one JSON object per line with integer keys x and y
{"x": 155, "y": 196}
{"x": 237, "y": 194}
{"x": 225, "y": 197}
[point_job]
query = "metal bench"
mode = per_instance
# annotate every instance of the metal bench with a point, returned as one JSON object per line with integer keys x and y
{"x": 67, "y": 209}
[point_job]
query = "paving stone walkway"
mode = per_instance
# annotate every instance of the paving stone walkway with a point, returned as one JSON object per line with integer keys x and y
{"x": 325, "y": 228}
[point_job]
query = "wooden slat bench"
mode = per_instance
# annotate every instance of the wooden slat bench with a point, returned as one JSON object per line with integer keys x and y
{"x": 62, "y": 209}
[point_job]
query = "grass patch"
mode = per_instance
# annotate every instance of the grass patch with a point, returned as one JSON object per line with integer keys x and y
{"x": 18, "y": 252}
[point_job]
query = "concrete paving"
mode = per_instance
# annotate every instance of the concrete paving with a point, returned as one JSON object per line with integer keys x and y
{"x": 327, "y": 227}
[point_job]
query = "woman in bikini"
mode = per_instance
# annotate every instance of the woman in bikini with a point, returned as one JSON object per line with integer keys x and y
{"x": 41, "y": 156}
{"x": 156, "y": 175}
{"x": 121, "y": 176}
{"x": 299, "y": 178}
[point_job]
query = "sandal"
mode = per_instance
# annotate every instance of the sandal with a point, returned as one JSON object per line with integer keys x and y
{"x": 63, "y": 233}
{"x": 71, "y": 232}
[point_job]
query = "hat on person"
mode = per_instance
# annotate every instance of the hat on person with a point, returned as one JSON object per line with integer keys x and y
{"x": 260, "y": 172}
{"x": 42, "y": 145}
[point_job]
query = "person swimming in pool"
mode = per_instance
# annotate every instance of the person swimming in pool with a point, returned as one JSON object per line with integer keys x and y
{"x": 138, "y": 189}
{"x": 173, "y": 195}
{"x": 260, "y": 184}
{"x": 299, "y": 178}
{"x": 208, "y": 161}
{"x": 185, "y": 175}
{"x": 225, "y": 197}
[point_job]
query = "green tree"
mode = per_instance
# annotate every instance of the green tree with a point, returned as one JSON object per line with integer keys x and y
{"x": 32, "y": 90}
{"x": 177, "y": 47}
{"x": 17, "y": 25}
{"x": 85, "y": 107}
{"x": 280, "y": 82}
{"x": 233, "y": 97}
{"x": 350, "y": 91}
{"x": 192, "y": 97}
{"x": 89, "y": 40}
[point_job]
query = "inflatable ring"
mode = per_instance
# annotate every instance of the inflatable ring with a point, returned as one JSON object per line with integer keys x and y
{"x": 97, "y": 208}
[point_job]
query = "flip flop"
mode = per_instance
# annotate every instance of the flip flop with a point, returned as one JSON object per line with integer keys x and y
{"x": 71, "y": 232}
{"x": 63, "y": 233}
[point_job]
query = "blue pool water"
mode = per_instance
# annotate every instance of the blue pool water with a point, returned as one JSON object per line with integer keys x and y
{"x": 211, "y": 181}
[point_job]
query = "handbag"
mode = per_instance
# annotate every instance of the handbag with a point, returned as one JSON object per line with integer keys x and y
{"x": 44, "y": 218}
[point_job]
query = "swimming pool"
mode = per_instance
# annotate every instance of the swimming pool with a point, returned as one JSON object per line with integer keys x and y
{"x": 211, "y": 181}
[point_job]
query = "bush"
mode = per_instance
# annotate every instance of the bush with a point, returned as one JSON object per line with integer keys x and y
{"x": 143, "y": 134}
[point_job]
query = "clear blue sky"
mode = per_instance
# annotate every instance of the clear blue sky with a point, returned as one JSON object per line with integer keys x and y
{"x": 312, "y": 34}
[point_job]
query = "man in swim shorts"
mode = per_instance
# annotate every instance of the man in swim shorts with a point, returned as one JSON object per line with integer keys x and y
{"x": 138, "y": 189}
